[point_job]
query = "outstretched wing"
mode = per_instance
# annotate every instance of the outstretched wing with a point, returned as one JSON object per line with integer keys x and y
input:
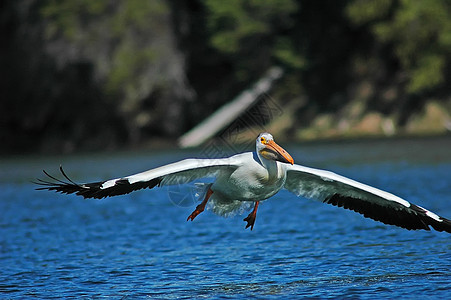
{"x": 180, "y": 172}
{"x": 371, "y": 202}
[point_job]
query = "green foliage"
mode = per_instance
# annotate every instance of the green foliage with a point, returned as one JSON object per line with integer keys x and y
{"x": 427, "y": 73}
{"x": 364, "y": 11}
{"x": 64, "y": 16}
{"x": 141, "y": 58}
{"x": 284, "y": 51}
{"x": 138, "y": 14}
{"x": 118, "y": 31}
{"x": 243, "y": 28}
{"x": 126, "y": 64}
{"x": 418, "y": 31}
{"x": 230, "y": 22}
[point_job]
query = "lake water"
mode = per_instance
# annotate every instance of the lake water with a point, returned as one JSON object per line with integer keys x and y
{"x": 140, "y": 245}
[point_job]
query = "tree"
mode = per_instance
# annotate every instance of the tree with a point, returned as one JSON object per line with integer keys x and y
{"x": 419, "y": 33}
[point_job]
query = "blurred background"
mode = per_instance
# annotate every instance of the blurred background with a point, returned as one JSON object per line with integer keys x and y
{"x": 105, "y": 75}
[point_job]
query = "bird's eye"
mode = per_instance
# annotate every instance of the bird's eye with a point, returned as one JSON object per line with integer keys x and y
{"x": 263, "y": 140}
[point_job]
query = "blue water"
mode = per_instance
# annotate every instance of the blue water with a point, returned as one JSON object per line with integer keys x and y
{"x": 140, "y": 245}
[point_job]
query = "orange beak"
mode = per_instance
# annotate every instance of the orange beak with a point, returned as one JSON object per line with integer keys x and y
{"x": 275, "y": 152}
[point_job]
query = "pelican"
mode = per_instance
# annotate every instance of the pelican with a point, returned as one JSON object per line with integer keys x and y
{"x": 251, "y": 177}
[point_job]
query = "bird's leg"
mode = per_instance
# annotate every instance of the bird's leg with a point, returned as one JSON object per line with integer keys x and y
{"x": 250, "y": 219}
{"x": 200, "y": 208}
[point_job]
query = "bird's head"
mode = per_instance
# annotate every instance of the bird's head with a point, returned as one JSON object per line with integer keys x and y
{"x": 268, "y": 149}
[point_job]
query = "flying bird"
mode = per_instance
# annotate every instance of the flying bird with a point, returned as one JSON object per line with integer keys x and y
{"x": 251, "y": 177}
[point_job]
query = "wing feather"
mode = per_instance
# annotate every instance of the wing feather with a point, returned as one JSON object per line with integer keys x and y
{"x": 371, "y": 202}
{"x": 180, "y": 172}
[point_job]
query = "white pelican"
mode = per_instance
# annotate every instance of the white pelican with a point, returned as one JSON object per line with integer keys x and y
{"x": 253, "y": 177}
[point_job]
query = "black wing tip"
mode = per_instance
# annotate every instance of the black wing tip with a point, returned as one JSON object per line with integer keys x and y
{"x": 444, "y": 225}
{"x": 94, "y": 189}
{"x": 411, "y": 218}
{"x": 67, "y": 186}
{"x": 441, "y": 225}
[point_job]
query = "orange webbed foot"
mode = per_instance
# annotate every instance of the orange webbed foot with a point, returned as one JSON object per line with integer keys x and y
{"x": 200, "y": 208}
{"x": 250, "y": 219}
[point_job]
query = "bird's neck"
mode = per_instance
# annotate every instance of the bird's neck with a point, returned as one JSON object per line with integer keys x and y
{"x": 271, "y": 166}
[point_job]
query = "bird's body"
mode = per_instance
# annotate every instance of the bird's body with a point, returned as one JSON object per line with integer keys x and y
{"x": 261, "y": 183}
{"x": 255, "y": 176}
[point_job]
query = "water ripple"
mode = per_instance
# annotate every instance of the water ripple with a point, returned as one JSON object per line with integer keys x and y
{"x": 140, "y": 245}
